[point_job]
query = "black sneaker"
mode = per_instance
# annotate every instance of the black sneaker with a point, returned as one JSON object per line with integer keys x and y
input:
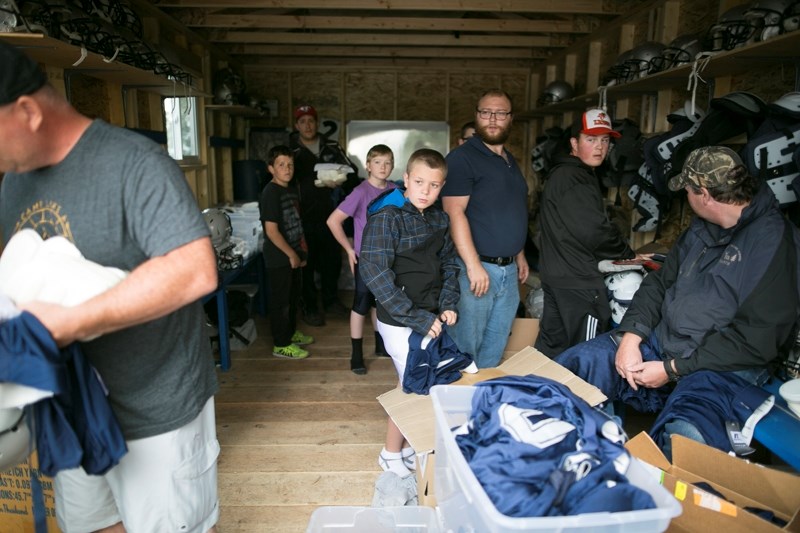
{"x": 357, "y": 366}
{"x": 313, "y": 319}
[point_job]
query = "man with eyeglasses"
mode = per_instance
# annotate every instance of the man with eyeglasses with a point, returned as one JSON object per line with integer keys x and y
{"x": 486, "y": 198}
{"x": 467, "y": 131}
{"x": 574, "y": 235}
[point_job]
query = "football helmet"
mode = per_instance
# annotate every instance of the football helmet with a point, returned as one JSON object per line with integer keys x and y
{"x": 766, "y": 17}
{"x": 640, "y": 63}
{"x": 219, "y": 223}
{"x": 229, "y": 87}
{"x": 681, "y": 50}
{"x": 619, "y": 72}
{"x": 9, "y": 16}
{"x": 732, "y": 30}
{"x": 556, "y": 91}
{"x": 15, "y": 437}
{"x": 114, "y": 12}
{"x": 791, "y": 17}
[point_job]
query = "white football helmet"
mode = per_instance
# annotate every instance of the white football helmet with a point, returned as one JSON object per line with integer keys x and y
{"x": 220, "y": 225}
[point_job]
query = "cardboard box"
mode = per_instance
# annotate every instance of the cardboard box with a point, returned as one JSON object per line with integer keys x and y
{"x": 16, "y": 501}
{"x": 413, "y": 413}
{"x": 523, "y": 334}
{"x": 426, "y": 464}
{"x": 743, "y": 484}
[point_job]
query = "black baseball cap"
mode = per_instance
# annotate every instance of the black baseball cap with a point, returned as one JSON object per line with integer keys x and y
{"x": 23, "y": 75}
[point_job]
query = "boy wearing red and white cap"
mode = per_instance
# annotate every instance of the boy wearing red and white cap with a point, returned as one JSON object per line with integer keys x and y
{"x": 316, "y": 204}
{"x": 575, "y": 234}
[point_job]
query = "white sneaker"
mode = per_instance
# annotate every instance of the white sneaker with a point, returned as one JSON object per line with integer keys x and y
{"x": 393, "y": 464}
{"x": 409, "y": 458}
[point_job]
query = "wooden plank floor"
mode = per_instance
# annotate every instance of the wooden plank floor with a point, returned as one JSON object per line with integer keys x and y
{"x": 296, "y": 435}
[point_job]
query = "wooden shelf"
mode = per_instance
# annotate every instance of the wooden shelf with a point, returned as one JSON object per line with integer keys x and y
{"x": 53, "y": 52}
{"x": 236, "y": 110}
{"x": 783, "y": 48}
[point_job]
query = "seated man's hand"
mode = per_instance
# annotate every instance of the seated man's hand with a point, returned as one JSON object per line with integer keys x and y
{"x": 650, "y": 374}
{"x": 628, "y": 356}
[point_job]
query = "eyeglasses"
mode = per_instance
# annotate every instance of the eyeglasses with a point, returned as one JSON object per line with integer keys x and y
{"x": 486, "y": 114}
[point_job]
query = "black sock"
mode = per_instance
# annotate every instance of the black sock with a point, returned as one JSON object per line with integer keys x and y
{"x": 357, "y": 357}
{"x": 380, "y": 349}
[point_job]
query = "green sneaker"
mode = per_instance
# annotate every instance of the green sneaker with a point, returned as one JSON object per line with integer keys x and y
{"x": 292, "y": 351}
{"x": 301, "y": 340}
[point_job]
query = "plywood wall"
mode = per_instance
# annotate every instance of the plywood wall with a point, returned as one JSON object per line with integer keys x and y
{"x": 430, "y": 95}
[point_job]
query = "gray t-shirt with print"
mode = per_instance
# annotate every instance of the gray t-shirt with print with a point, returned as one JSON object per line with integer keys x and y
{"x": 122, "y": 200}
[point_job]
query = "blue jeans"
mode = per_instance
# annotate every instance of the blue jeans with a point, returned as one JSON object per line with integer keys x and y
{"x": 697, "y": 407}
{"x": 484, "y": 323}
{"x": 593, "y": 361}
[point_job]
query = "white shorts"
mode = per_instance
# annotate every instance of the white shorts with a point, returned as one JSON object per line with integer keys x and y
{"x": 164, "y": 483}
{"x": 395, "y": 340}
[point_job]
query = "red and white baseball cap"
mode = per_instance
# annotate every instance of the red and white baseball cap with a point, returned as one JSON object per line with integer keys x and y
{"x": 303, "y": 110}
{"x": 594, "y": 122}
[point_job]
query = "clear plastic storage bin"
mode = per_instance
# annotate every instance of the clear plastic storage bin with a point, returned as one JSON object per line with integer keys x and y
{"x": 465, "y": 507}
{"x": 411, "y": 519}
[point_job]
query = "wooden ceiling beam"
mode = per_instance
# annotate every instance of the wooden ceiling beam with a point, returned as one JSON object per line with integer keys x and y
{"x": 382, "y": 39}
{"x": 361, "y": 64}
{"x": 385, "y": 51}
{"x": 588, "y": 7}
{"x": 198, "y": 19}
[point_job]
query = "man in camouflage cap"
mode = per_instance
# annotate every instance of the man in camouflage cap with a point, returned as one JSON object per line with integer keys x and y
{"x": 706, "y": 327}
{"x": 708, "y": 167}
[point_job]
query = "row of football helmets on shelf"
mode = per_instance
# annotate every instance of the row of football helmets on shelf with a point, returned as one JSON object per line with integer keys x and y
{"x": 110, "y": 28}
{"x": 741, "y": 25}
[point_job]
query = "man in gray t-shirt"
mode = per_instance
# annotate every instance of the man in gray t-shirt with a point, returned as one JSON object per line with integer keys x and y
{"x": 124, "y": 203}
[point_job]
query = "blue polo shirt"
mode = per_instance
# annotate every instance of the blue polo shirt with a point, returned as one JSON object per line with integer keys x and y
{"x": 498, "y": 209}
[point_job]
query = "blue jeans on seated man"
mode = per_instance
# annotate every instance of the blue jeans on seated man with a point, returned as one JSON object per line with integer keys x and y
{"x": 484, "y": 323}
{"x": 697, "y": 407}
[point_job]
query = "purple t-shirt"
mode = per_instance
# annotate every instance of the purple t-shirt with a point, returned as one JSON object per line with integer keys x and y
{"x": 355, "y": 205}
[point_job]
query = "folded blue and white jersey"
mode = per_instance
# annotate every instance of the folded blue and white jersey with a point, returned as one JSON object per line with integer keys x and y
{"x": 436, "y": 362}
{"x": 539, "y": 450}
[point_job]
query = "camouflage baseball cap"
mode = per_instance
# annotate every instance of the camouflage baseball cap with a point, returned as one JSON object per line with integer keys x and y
{"x": 707, "y": 167}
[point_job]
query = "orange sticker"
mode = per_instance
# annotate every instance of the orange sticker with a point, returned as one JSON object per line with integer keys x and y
{"x": 714, "y": 503}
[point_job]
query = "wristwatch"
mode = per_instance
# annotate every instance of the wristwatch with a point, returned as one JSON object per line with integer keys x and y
{"x": 671, "y": 374}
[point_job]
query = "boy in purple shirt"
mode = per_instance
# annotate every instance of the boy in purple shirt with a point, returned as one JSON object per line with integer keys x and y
{"x": 380, "y": 163}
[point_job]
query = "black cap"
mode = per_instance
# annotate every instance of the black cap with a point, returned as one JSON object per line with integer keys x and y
{"x": 22, "y": 74}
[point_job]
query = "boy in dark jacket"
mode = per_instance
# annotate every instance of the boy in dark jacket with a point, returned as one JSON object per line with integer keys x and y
{"x": 408, "y": 262}
{"x": 316, "y": 204}
{"x": 575, "y": 235}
